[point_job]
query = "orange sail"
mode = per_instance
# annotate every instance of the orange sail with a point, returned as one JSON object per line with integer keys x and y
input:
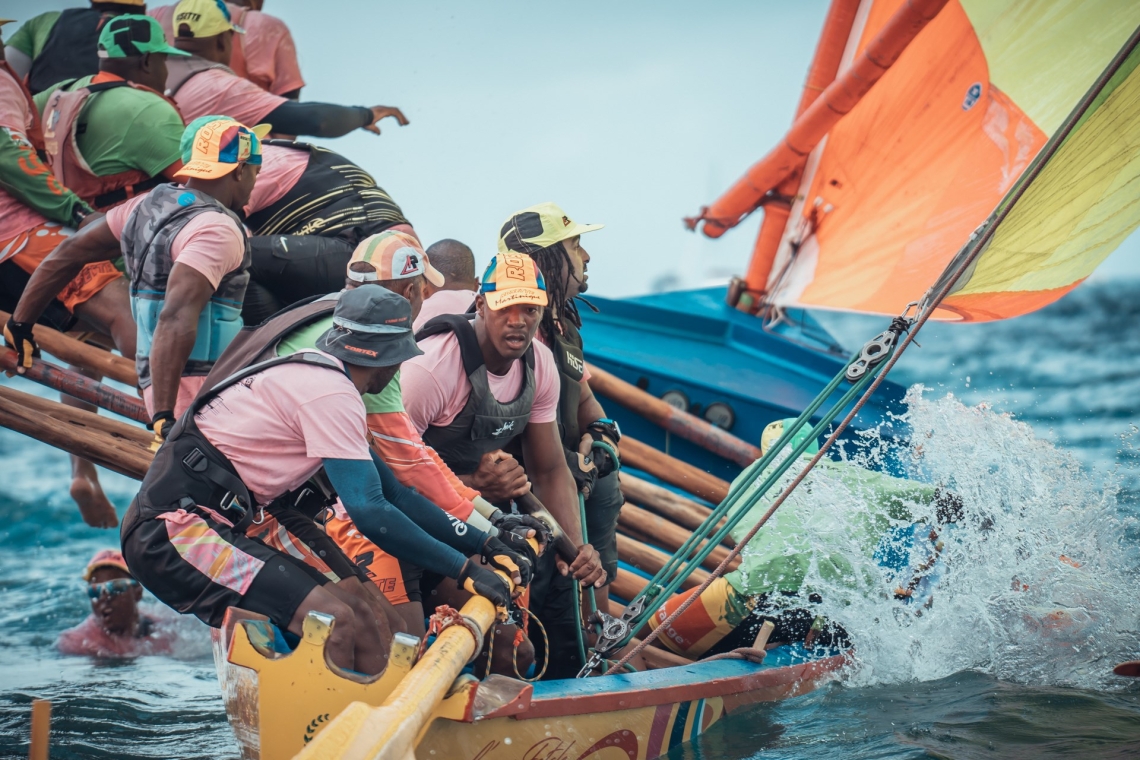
{"x": 898, "y": 185}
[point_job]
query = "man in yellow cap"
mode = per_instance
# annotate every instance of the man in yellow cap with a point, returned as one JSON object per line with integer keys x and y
{"x": 187, "y": 254}
{"x": 60, "y": 45}
{"x": 484, "y": 385}
{"x": 204, "y": 83}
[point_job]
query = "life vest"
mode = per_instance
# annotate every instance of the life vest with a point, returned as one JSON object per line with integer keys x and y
{"x": 146, "y": 241}
{"x": 484, "y": 424}
{"x": 571, "y": 364}
{"x": 189, "y": 471}
{"x": 333, "y": 198}
{"x": 71, "y": 50}
{"x": 34, "y": 133}
{"x": 182, "y": 68}
{"x": 62, "y": 128}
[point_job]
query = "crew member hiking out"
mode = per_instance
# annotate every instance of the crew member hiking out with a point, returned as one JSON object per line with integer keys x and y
{"x": 457, "y": 264}
{"x": 482, "y": 385}
{"x": 36, "y": 215}
{"x": 393, "y": 261}
{"x": 309, "y": 210}
{"x": 204, "y": 83}
{"x": 265, "y": 54}
{"x": 260, "y": 435}
{"x": 59, "y": 45}
{"x": 590, "y": 439}
{"x": 113, "y": 136}
{"x": 186, "y": 252}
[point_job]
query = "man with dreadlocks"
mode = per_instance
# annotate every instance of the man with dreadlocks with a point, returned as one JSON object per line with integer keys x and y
{"x": 546, "y": 234}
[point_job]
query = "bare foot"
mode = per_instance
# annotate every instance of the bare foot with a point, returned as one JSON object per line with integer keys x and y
{"x": 97, "y": 510}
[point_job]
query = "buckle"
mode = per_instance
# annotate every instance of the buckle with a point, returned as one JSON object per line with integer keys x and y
{"x": 196, "y": 460}
{"x": 231, "y": 501}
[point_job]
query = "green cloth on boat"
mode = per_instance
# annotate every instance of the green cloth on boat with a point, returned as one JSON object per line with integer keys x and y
{"x": 865, "y": 505}
{"x": 388, "y": 400}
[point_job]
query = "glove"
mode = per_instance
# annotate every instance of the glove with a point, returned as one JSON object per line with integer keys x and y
{"x": 520, "y": 546}
{"x": 478, "y": 580}
{"x": 18, "y": 336}
{"x": 518, "y": 525}
{"x": 161, "y": 423}
{"x": 604, "y": 452}
{"x": 583, "y": 469}
{"x": 511, "y": 561}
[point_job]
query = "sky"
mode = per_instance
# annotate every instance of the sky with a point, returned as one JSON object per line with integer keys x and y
{"x": 633, "y": 114}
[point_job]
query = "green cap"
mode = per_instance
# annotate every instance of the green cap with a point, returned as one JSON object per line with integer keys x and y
{"x": 131, "y": 35}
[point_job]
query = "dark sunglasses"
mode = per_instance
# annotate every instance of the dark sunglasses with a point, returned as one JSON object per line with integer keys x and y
{"x": 111, "y": 588}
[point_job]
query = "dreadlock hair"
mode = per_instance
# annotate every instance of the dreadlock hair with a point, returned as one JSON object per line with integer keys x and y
{"x": 554, "y": 262}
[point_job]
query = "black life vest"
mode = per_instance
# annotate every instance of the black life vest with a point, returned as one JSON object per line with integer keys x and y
{"x": 71, "y": 50}
{"x": 571, "y": 363}
{"x": 484, "y": 424}
{"x": 333, "y": 198}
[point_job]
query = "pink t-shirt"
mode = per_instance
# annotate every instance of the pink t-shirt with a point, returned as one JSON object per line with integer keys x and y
{"x": 280, "y": 169}
{"x": 444, "y": 302}
{"x": 435, "y": 387}
{"x": 217, "y": 91}
{"x": 15, "y": 119}
{"x": 277, "y": 426}
{"x": 265, "y": 54}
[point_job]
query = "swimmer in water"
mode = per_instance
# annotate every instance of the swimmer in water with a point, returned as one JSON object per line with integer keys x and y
{"x": 115, "y": 627}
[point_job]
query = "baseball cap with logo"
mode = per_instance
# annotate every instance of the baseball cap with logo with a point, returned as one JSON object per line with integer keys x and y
{"x": 512, "y": 278}
{"x": 393, "y": 256}
{"x": 372, "y": 327}
{"x": 131, "y": 36}
{"x": 538, "y": 227}
{"x": 203, "y": 18}
{"x": 213, "y": 146}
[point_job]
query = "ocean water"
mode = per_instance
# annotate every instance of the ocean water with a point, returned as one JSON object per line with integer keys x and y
{"x": 1033, "y": 422}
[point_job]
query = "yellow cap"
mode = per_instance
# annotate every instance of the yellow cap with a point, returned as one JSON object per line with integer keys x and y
{"x": 538, "y": 227}
{"x": 202, "y": 18}
{"x": 512, "y": 278}
{"x": 213, "y": 146}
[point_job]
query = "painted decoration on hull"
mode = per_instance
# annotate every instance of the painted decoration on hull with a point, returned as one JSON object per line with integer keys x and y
{"x": 899, "y": 184}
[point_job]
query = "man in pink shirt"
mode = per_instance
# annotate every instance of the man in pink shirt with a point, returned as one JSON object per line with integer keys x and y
{"x": 186, "y": 251}
{"x": 203, "y": 83}
{"x": 483, "y": 385}
{"x": 265, "y": 54}
{"x": 457, "y": 263}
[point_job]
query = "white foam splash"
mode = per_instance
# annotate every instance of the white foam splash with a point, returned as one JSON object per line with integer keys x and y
{"x": 1039, "y": 581}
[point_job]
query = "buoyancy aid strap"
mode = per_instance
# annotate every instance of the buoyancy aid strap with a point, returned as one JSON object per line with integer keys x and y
{"x": 463, "y": 327}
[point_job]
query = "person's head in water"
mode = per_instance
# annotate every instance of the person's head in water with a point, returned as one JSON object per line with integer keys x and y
{"x": 221, "y": 158}
{"x": 114, "y": 593}
{"x": 205, "y": 28}
{"x": 457, "y": 263}
{"x": 372, "y": 334}
{"x": 134, "y": 47}
{"x": 508, "y": 308}
{"x": 546, "y": 234}
{"x": 396, "y": 261}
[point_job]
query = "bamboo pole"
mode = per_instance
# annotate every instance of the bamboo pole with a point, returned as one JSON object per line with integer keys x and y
{"x": 687, "y": 426}
{"x": 672, "y": 470}
{"x": 115, "y": 445}
{"x": 41, "y": 730}
{"x": 648, "y": 526}
{"x": 627, "y": 585}
{"x": 68, "y": 349}
{"x": 77, "y": 386}
{"x": 685, "y": 512}
{"x": 650, "y": 560}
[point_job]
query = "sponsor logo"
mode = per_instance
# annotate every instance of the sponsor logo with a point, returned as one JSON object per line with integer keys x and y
{"x": 972, "y": 96}
{"x": 506, "y": 427}
{"x": 565, "y": 221}
{"x": 185, "y": 16}
{"x": 365, "y": 351}
{"x": 411, "y": 265}
{"x": 575, "y": 362}
{"x": 459, "y": 526}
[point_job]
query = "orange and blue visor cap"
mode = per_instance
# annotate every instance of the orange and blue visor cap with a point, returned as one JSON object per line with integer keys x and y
{"x": 213, "y": 146}
{"x": 512, "y": 278}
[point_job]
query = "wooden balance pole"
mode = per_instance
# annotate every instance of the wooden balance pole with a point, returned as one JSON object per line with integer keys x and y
{"x": 677, "y": 421}
{"x": 41, "y": 729}
{"x": 77, "y": 386}
{"x": 78, "y": 353}
{"x": 647, "y": 526}
{"x": 650, "y": 560}
{"x": 672, "y": 470}
{"x": 670, "y": 505}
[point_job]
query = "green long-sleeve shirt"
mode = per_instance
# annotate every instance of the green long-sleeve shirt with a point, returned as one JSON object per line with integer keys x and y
{"x": 29, "y": 180}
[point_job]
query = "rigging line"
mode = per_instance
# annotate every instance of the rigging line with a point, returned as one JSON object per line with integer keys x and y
{"x": 969, "y": 254}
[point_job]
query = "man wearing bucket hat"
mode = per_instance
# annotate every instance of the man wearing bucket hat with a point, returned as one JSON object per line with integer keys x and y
{"x": 589, "y": 437}
{"x": 254, "y": 440}
{"x": 204, "y": 83}
{"x": 484, "y": 385}
{"x": 112, "y": 136}
{"x": 186, "y": 252}
{"x": 60, "y": 45}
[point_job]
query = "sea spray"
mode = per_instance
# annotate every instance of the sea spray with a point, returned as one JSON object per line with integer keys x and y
{"x": 1035, "y": 583}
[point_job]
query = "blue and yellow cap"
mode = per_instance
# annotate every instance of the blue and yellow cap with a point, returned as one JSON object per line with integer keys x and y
{"x": 512, "y": 278}
{"x": 213, "y": 146}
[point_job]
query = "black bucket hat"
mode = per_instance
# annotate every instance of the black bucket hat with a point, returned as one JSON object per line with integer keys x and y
{"x": 372, "y": 327}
